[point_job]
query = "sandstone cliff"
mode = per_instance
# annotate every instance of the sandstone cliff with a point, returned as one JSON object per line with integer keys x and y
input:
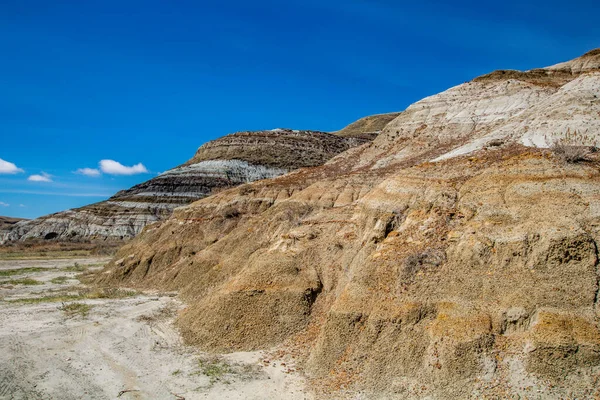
{"x": 229, "y": 161}
{"x": 449, "y": 258}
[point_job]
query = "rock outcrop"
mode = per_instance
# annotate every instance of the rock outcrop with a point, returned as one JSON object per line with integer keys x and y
{"x": 6, "y": 223}
{"x": 452, "y": 257}
{"x": 223, "y": 163}
{"x": 367, "y": 127}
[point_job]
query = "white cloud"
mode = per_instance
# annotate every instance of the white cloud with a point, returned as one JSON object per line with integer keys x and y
{"x": 43, "y": 177}
{"x": 3, "y": 204}
{"x": 22, "y": 205}
{"x": 88, "y": 172}
{"x": 112, "y": 167}
{"x": 8, "y": 167}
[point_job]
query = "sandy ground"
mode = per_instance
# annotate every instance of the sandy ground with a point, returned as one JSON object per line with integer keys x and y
{"x": 122, "y": 348}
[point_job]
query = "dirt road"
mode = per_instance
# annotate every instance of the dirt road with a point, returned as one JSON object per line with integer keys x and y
{"x": 61, "y": 340}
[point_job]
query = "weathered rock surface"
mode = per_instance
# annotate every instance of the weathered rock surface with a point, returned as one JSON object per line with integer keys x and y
{"x": 6, "y": 223}
{"x": 229, "y": 161}
{"x": 534, "y": 108}
{"x": 367, "y": 127}
{"x": 386, "y": 273}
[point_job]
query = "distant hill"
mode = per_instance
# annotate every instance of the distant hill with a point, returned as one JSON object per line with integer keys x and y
{"x": 229, "y": 161}
{"x": 367, "y": 127}
{"x": 8, "y": 222}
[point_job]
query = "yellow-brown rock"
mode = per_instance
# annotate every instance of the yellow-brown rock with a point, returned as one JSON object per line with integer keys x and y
{"x": 473, "y": 276}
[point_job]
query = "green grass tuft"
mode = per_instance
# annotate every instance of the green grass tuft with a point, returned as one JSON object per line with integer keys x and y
{"x": 24, "y": 281}
{"x": 76, "y": 309}
{"x": 46, "y": 299}
{"x": 21, "y": 271}
{"x": 83, "y": 294}
{"x": 214, "y": 368}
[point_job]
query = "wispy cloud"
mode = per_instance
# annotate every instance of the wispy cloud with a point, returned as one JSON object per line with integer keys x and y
{"x": 43, "y": 177}
{"x": 93, "y": 172}
{"x": 22, "y": 205}
{"x": 3, "y": 204}
{"x": 9, "y": 168}
{"x": 112, "y": 167}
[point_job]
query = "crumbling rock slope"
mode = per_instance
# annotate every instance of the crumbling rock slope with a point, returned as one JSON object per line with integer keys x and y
{"x": 223, "y": 163}
{"x": 535, "y": 108}
{"x": 404, "y": 268}
{"x": 6, "y": 223}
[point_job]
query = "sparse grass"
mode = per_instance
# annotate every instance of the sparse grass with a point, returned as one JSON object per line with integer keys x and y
{"x": 215, "y": 369}
{"x": 76, "y": 268}
{"x": 219, "y": 370}
{"x": 42, "y": 255}
{"x": 47, "y": 299}
{"x": 109, "y": 293}
{"x": 60, "y": 280}
{"x": 103, "y": 293}
{"x": 80, "y": 268}
{"x": 176, "y": 372}
{"x": 44, "y": 249}
{"x": 24, "y": 281}
{"x": 75, "y": 309}
{"x": 30, "y": 270}
{"x": 21, "y": 271}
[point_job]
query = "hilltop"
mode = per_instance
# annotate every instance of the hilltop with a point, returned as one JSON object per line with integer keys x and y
{"x": 8, "y": 222}
{"x": 222, "y": 163}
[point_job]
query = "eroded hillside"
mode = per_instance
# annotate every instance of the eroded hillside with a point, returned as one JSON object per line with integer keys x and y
{"x": 223, "y": 163}
{"x": 7, "y": 223}
{"x": 444, "y": 259}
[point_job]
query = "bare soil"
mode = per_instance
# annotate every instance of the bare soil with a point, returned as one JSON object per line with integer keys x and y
{"x": 60, "y": 339}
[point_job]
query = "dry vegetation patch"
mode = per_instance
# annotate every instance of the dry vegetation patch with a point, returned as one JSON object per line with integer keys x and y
{"x": 218, "y": 369}
{"x": 572, "y": 153}
{"x": 75, "y": 309}
{"x": 59, "y": 280}
{"x": 24, "y": 281}
{"x": 21, "y": 271}
{"x": 69, "y": 294}
{"x": 42, "y": 249}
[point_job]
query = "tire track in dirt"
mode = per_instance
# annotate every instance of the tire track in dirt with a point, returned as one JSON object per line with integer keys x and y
{"x": 15, "y": 383}
{"x": 120, "y": 344}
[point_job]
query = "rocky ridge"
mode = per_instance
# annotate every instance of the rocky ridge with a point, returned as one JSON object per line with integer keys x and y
{"x": 223, "y": 163}
{"x": 6, "y": 223}
{"x": 452, "y": 257}
{"x": 368, "y": 127}
{"x": 535, "y": 108}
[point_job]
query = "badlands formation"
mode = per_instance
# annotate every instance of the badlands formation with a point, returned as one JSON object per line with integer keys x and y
{"x": 6, "y": 223}
{"x": 454, "y": 256}
{"x": 229, "y": 161}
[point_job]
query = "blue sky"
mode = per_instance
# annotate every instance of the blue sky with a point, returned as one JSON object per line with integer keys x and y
{"x": 150, "y": 81}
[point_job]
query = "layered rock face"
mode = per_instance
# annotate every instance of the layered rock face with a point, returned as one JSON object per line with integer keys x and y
{"x": 6, "y": 223}
{"x": 229, "y": 161}
{"x": 535, "y": 108}
{"x": 404, "y": 268}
